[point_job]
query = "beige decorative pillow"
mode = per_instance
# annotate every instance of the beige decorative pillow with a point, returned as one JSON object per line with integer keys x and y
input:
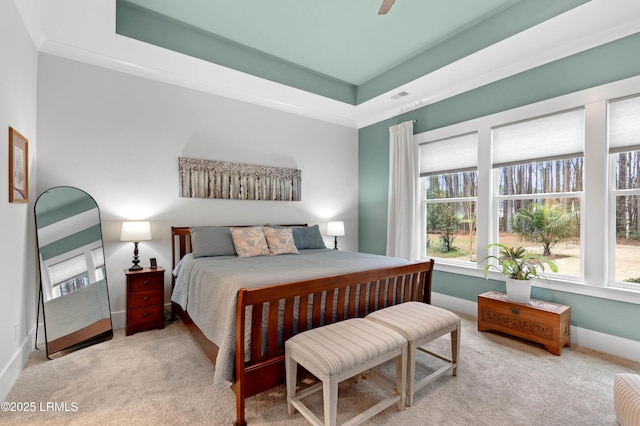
{"x": 280, "y": 240}
{"x": 250, "y": 241}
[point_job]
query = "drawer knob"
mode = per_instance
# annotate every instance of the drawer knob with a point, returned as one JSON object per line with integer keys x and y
{"x": 146, "y": 282}
{"x": 145, "y": 314}
{"x": 146, "y": 298}
{"x": 514, "y": 310}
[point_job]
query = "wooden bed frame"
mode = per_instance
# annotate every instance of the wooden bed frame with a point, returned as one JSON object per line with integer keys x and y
{"x": 356, "y": 293}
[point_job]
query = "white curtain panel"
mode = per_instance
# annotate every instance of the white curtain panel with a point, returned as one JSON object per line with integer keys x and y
{"x": 402, "y": 235}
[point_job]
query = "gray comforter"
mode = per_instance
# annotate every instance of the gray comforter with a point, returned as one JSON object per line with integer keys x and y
{"x": 207, "y": 288}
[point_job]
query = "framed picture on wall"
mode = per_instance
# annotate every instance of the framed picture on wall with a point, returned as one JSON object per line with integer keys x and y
{"x": 18, "y": 167}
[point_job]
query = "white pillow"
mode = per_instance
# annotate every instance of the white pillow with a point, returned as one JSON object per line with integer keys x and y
{"x": 250, "y": 241}
{"x": 280, "y": 240}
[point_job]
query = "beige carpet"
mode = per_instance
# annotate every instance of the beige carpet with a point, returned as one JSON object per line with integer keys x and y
{"x": 161, "y": 377}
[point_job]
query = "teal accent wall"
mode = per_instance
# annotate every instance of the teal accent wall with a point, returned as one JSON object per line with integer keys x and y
{"x": 604, "y": 64}
{"x": 373, "y": 159}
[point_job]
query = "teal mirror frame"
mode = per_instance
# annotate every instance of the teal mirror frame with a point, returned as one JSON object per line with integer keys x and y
{"x": 74, "y": 294}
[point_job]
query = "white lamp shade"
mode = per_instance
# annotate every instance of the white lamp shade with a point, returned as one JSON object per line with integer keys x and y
{"x": 136, "y": 231}
{"x": 335, "y": 228}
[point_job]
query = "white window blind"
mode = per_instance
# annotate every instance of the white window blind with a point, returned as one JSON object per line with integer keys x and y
{"x": 624, "y": 124}
{"x": 98, "y": 257}
{"x": 63, "y": 271}
{"x": 544, "y": 138}
{"x": 455, "y": 154}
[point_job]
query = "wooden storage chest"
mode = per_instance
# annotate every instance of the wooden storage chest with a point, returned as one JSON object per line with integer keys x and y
{"x": 538, "y": 321}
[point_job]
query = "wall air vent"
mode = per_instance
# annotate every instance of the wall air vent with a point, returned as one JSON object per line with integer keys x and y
{"x": 399, "y": 95}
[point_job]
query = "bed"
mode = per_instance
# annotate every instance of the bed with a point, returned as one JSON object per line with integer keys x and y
{"x": 240, "y": 309}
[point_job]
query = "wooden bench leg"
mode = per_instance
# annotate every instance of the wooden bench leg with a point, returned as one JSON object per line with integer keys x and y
{"x": 401, "y": 377}
{"x": 411, "y": 374}
{"x": 330, "y": 395}
{"x": 455, "y": 349}
{"x": 291, "y": 368}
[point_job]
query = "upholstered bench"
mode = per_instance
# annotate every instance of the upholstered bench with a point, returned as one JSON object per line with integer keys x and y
{"x": 626, "y": 398}
{"x": 336, "y": 352}
{"x": 421, "y": 323}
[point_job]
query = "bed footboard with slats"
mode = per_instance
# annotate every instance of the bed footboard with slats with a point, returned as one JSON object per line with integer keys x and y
{"x": 268, "y": 316}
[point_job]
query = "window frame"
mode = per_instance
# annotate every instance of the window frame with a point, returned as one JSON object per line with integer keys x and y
{"x": 425, "y": 201}
{"x": 613, "y": 194}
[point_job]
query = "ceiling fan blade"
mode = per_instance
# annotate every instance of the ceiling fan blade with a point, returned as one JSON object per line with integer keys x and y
{"x": 386, "y": 5}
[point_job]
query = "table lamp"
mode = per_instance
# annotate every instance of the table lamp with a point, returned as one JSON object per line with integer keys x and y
{"x": 335, "y": 229}
{"x": 135, "y": 231}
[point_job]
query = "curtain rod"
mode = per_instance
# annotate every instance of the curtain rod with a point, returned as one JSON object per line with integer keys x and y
{"x": 413, "y": 121}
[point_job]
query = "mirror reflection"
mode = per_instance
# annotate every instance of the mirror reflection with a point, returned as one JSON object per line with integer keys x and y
{"x": 73, "y": 281}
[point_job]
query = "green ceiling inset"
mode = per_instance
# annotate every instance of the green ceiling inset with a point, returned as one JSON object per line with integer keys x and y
{"x": 160, "y": 23}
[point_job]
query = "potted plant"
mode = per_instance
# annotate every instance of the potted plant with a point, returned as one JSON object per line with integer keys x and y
{"x": 518, "y": 267}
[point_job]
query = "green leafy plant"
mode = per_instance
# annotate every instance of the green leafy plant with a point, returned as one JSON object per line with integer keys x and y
{"x": 544, "y": 224}
{"x": 516, "y": 263}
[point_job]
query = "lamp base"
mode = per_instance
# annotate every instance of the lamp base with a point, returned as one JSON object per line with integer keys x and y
{"x": 335, "y": 243}
{"x": 136, "y": 260}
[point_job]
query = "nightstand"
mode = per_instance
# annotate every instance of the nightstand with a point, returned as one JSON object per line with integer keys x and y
{"x": 145, "y": 299}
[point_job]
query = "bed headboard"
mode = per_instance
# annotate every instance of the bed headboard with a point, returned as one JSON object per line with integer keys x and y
{"x": 181, "y": 241}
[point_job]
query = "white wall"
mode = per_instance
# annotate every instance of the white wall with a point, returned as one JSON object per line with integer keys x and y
{"x": 118, "y": 137}
{"x": 18, "y": 284}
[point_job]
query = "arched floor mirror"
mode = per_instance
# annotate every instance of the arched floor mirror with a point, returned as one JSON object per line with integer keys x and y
{"x": 73, "y": 279}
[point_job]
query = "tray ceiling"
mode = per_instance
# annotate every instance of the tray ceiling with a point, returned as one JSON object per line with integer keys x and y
{"x": 334, "y": 60}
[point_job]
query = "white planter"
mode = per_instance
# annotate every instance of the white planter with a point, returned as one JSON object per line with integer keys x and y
{"x": 518, "y": 291}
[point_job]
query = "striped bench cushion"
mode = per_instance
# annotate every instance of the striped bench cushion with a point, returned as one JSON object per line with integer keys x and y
{"x": 415, "y": 320}
{"x": 626, "y": 398}
{"x": 336, "y": 348}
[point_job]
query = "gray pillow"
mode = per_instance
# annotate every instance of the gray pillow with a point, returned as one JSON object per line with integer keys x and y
{"x": 308, "y": 237}
{"x": 305, "y": 237}
{"x": 211, "y": 241}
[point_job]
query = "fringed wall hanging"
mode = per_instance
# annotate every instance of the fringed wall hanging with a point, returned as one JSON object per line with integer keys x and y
{"x": 237, "y": 181}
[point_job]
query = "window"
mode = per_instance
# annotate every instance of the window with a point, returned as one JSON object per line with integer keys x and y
{"x": 450, "y": 188}
{"x": 624, "y": 157}
{"x": 74, "y": 270}
{"x": 569, "y": 164}
{"x": 97, "y": 254}
{"x": 68, "y": 275}
{"x": 539, "y": 167}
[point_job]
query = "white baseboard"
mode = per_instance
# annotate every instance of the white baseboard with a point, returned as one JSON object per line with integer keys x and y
{"x": 119, "y": 320}
{"x": 601, "y": 342}
{"x": 12, "y": 370}
{"x": 455, "y": 304}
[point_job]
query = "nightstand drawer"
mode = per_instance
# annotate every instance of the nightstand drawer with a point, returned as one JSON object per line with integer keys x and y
{"x": 145, "y": 298}
{"x": 145, "y": 314}
{"x": 146, "y": 281}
